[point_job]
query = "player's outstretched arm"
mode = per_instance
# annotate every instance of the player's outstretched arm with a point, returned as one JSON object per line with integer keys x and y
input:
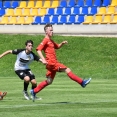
{"x": 62, "y": 43}
{"x": 5, "y": 53}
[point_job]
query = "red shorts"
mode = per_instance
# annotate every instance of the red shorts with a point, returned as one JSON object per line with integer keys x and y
{"x": 53, "y": 68}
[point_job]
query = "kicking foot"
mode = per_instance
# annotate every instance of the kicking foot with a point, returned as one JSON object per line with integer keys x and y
{"x": 26, "y": 96}
{"x": 85, "y": 82}
{"x": 33, "y": 95}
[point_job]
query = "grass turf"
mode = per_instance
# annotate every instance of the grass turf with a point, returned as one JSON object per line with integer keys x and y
{"x": 86, "y": 56}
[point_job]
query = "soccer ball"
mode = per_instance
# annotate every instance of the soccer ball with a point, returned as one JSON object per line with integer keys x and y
{"x": 2, "y": 94}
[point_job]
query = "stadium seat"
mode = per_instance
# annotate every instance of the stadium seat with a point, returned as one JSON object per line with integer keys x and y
{"x": 71, "y": 3}
{"x": 63, "y": 3}
{"x": 88, "y": 3}
{"x": 84, "y": 11}
{"x": 55, "y": 4}
{"x": 54, "y": 20}
{"x": 71, "y": 19}
{"x": 34, "y": 12}
{"x": 88, "y": 20}
{"x": 2, "y": 12}
{"x": 38, "y": 4}
{"x": 63, "y": 19}
{"x": 42, "y": 12}
{"x": 97, "y": 20}
{"x": 4, "y": 20}
{"x": 6, "y": 4}
{"x": 114, "y": 21}
{"x": 93, "y": 10}
{"x": 67, "y": 11}
{"x": 97, "y": 3}
{"x": 59, "y": 11}
{"x": 79, "y": 20}
{"x": 12, "y": 20}
{"x": 105, "y": 3}
{"x": 30, "y": 4}
{"x": 76, "y": 11}
{"x": 50, "y": 11}
{"x": 10, "y": 12}
{"x": 37, "y": 20}
{"x": 111, "y": 10}
{"x": 22, "y": 5}
{"x": 47, "y": 4}
{"x": 107, "y": 19}
{"x": 45, "y": 20}
{"x": 102, "y": 11}
{"x": 21, "y": 20}
{"x": 80, "y": 3}
{"x": 18, "y": 12}
{"x": 28, "y": 20}
{"x": 113, "y": 3}
{"x": 14, "y": 4}
{"x": 26, "y": 12}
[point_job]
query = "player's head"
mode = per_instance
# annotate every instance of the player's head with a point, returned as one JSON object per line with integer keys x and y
{"x": 29, "y": 45}
{"x": 48, "y": 30}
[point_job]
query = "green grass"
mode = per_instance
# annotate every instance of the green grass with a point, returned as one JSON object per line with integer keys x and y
{"x": 87, "y": 57}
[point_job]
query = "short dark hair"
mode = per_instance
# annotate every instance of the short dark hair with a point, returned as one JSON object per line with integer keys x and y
{"x": 28, "y": 41}
{"x": 46, "y": 26}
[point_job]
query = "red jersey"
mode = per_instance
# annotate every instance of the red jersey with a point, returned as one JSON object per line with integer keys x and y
{"x": 48, "y": 46}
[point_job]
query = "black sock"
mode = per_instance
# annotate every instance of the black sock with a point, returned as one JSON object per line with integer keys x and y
{"x": 25, "y": 86}
{"x": 34, "y": 86}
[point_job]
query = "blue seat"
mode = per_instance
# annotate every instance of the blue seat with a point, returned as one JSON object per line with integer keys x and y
{"x": 63, "y": 19}
{"x": 14, "y": 4}
{"x": 88, "y": 3}
{"x": 37, "y": 20}
{"x": 7, "y": 4}
{"x": 50, "y": 11}
{"x": 63, "y": 3}
{"x": 80, "y": 3}
{"x": 2, "y": 12}
{"x": 76, "y": 11}
{"x": 71, "y": 20}
{"x": 93, "y": 10}
{"x": 45, "y": 20}
{"x": 106, "y": 3}
{"x": 67, "y": 11}
{"x": 97, "y": 3}
{"x": 1, "y": 5}
{"x": 84, "y": 11}
{"x": 54, "y": 20}
{"x": 80, "y": 19}
{"x": 71, "y": 3}
{"x": 59, "y": 11}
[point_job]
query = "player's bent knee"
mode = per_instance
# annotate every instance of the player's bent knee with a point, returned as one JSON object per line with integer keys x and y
{"x": 49, "y": 80}
{"x": 27, "y": 79}
{"x": 67, "y": 70}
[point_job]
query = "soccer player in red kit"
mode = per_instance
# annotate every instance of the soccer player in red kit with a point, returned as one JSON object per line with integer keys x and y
{"x": 51, "y": 62}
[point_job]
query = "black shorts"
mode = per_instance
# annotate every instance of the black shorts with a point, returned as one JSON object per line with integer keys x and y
{"x": 24, "y": 73}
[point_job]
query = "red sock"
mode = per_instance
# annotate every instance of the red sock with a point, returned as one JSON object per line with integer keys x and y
{"x": 74, "y": 77}
{"x": 40, "y": 86}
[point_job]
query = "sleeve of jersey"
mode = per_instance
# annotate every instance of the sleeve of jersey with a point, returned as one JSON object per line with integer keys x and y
{"x": 17, "y": 51}
{"x": 41, "y": 45}
{"x": 36, "y": 58}
{"x": 56, "y": 45}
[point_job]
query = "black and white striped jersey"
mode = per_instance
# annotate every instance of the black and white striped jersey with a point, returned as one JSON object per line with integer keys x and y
{"x": 23, "y": 60}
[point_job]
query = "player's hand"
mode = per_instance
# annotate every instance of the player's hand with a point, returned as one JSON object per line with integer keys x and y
{"x": 44, "y": 62}
{"x": 65, "y": 42}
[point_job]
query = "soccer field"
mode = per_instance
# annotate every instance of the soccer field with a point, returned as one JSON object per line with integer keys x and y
{"x": 62, "y": 99}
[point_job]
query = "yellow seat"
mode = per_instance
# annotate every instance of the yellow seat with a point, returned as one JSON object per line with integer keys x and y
{"x": 111, "y": 10}
{"x": 42, "y": 12}
{"x": 38, "y": 4}
{"x": 113, "y": 3}
{"x": 21, "y": 20}
{"x": 46, "y": 4}
{"x": 4, "y": 20}
{"x": 26, "y": 12}
{"x": 30, "y": 4}
{"x": 114, "y": 21}
{"x": 97, "y": 20}
{"x": 18, "y": 12}
{"x": 29, "y": 20}
{"x": 55, "y": 3}
{"x": 12, "y": 20}
{"x": 88, "y": 20}
{"x": 22, "y": 4}
{"x": 10, "y": 12}
{"x": 107, "y": 19}
{"x": 101, "y": 11}
{"x": 34, "y": 12}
